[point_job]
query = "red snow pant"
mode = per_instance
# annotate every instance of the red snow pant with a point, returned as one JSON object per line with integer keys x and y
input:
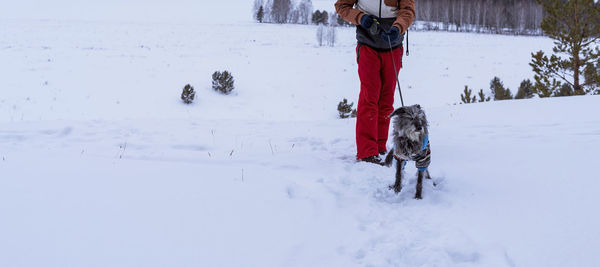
{"x": 376, "y": 99}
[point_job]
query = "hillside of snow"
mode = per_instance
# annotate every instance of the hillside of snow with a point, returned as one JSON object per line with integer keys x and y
{"x": 102, "y": 165}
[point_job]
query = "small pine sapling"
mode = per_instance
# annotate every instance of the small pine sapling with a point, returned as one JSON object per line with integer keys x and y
{"x": 482, "y": 97}
{"x": 498, "y": 90}
{"x": 346, "y": 110}
{"x": 525, "y": 90}
{"x": 565, "y": 90}
{"x": 466, "y": 96}
{"x": 260, "y": 14}
{"x": 188, "y": 94}
{"x": 592, "y": 76}
{"x": 223, "y": 82}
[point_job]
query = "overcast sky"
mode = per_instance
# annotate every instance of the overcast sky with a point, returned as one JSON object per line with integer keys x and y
{"x": 135, "y": 10}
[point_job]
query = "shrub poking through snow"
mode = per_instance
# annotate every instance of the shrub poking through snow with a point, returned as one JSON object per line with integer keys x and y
{"x": 500, "y": 93}
{"x": 188, "y": 94}
{"x": 592, "y": 76}
{"x": 482, "y": 97}
{"x": 222, "y": 82}
{"x": 525, "y": 90}
{"x": 565, "y": 90}
{"x": 466, "y": 98}
{"x": 346, "y": 110}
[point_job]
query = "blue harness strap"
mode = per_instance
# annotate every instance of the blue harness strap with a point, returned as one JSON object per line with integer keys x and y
{"x": 422, "y": 159}
{"x": 424, "y": 162}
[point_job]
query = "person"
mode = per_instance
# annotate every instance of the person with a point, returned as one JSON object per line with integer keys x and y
{"x": 380, "y": 28}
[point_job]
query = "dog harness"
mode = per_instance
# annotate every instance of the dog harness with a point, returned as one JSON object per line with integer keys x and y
{"x": 421, "y": 159}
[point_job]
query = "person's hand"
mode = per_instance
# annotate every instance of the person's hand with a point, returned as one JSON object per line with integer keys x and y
{"x": 367, "y": 20}
{"x": 391, "y": 35}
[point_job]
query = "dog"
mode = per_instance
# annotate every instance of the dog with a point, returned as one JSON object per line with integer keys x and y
{"x": 411, "y": 142}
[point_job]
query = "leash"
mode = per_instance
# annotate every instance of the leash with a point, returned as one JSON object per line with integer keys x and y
{"x": 407, "y": 46}
{"x": 396, "y": 71}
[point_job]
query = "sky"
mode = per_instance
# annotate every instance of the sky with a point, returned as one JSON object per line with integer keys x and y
{"x": 207, "y": 11}
{"x": 324, "y": 5}
{"x": 232, "y": 11}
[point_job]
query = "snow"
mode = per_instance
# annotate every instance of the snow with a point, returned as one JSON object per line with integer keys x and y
{"x": 102, "y": 165}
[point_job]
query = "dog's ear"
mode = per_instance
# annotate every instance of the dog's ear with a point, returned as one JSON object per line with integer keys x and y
{"x": 396, "y": 112}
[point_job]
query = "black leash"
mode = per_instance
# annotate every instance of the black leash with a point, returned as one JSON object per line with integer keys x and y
{"x": 396, "y": 70}
{"x": 407, "y": 52}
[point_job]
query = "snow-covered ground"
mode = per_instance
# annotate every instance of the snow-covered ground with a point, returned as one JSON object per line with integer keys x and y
{"x": 102, "y": 165}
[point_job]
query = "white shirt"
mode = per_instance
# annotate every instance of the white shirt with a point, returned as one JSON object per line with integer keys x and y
{"x": 372, "y": 7}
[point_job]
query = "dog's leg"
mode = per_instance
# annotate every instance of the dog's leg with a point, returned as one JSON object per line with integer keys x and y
{"x": 428, "y": 176}
{"x": 398, "y": 184}
{"x": 418, "y": 195}
{"x": 389, "y": 158}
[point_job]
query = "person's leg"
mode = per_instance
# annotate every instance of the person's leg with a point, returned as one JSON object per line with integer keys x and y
{"x": 369, "y": 65}
{"x": 386, "y": 97}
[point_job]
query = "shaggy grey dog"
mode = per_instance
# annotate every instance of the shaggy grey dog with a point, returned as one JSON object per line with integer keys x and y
{"x": 411, "y": 142}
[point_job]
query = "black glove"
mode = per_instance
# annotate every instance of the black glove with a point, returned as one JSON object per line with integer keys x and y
{"x": 367, "y": 20}
{"x": 391, "y": 35}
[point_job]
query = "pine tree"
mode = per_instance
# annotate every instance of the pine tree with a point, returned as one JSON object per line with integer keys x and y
{"x": 320, "y": 17}
{"x": 188, "y": 94}
{"x": 575, "y": 27}
{"x": 565, "y": 90}
{"x": 482, "y": 97}
{"x": 525, "y": 90}
{"x": 260, "y": 14}
{"x": 345, "y": 109}
{"x": 498, "y": 90}
{"x": 324, "y": 18}
{"x": 466, "y": 98}
{"x": 223, "y": 82}
{"x": 257, "y": 5}
{"x": 316, "y": 17}
{"x": 544, "y": 87}
{"x": 592, "y": 76}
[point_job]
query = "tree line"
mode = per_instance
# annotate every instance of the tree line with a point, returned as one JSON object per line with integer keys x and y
{"x": 489, "y": 16}
{"x": 521, "y": 17}
{"x": 283, "y": 11}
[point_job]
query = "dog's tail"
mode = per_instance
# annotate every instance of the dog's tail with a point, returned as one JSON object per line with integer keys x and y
{"x": 389, "y": 158}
